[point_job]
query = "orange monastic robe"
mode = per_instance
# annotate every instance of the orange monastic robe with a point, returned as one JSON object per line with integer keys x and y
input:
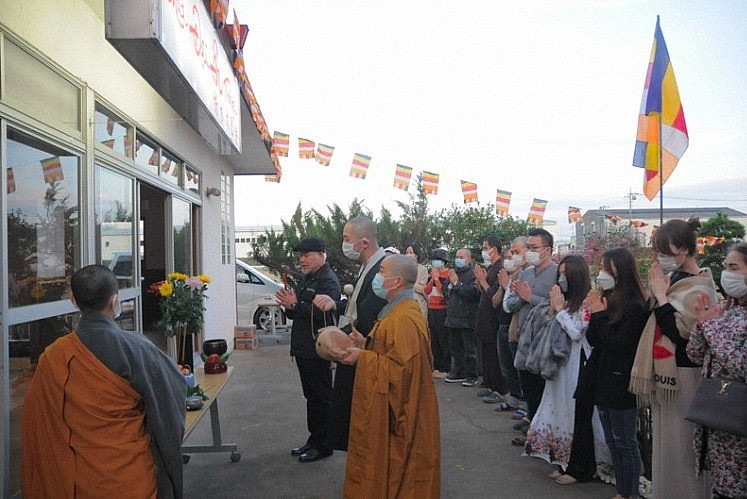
{"x": 394, "y": 445}
{"x": 96, "y": 444}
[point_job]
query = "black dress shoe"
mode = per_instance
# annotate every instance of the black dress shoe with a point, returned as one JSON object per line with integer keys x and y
{"x": 312, "y": 455}
{"x": 300, "y": 450}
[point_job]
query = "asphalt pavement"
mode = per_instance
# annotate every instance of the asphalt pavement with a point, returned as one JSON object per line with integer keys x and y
{"x": 263, "y": 410}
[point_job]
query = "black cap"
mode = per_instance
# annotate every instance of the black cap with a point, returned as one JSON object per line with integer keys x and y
{"x": 440, "y": 254}
{"x": 311, "y": 244}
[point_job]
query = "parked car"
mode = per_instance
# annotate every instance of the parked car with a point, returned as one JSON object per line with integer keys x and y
{"x": 253, "y": 288}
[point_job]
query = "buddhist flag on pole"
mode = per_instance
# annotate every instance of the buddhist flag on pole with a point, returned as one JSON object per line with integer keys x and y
{"x": 324, "y": 154}
{"x": 502, "y": 202}
{"x": 537, "y": 211}
{"x": 430, "y": 183}
{"x": 402, "y": 177}
{"x": 52, "y": 168}
{"x": 306, "y": 148}
{"x": 574, "y": 215}
{"x": 638, "y": 223}
{"x": 469, "y": 191}
{"x": 360, "y": 165}
{"x": 280, "y": 143}
{"x": 662, "y": 132}
{"x": 11, "y": 181}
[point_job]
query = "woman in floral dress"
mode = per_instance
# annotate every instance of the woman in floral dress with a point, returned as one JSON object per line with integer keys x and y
{"x": 551, "y": 432}
{"x": 720, "y": 341}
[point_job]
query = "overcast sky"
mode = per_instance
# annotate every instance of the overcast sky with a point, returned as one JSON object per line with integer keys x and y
{"x": 537, "y": 98}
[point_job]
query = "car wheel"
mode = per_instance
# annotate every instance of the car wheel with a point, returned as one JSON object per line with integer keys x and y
{"x": 262, "y": 318}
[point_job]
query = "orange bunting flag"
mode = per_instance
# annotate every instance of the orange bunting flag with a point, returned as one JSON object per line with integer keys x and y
{"x": 272, "y": 178}
{"x": 109, "y": 143}
{"x": 638, "y": 223}
{"x": 236, "y": 31}
{"x": 238, "y": 64}
{"x": 502, "y": 201}
{"x": 166, "y": 165}
{"x": 360, "y": 165}
{"x": 469, "y": 191}
{"x": 574, "y": 215}
{"x": 128, "y": 144}
{"x": 109, "y": 126}
{"x": 11, "y": 181}
{"x": 324, "y": 154}
{"x": 52, "y": 168}
{"x": 402, "y": 176}
{"x": 153, "y": 160}
{"x": 537, "y": 211}
{"x": 281, "y": 143}
{"x": 219, "y": 10}
{"x": 614, "y": 219}
{"x": 278, "y": 168}
{"x": 305, "y": 148}
{"x": 430, "y": 183}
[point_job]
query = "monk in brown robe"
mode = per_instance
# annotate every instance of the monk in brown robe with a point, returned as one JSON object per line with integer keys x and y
{"x": 394, "y": 444}
{"x": 104, "y": 414}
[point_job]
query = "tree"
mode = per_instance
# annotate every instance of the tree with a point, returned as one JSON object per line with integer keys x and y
{"x": 713, "y": 256}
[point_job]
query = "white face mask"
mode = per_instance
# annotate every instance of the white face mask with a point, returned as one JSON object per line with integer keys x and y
{"x": 349, "y": 252}
{"x": 533, "y": 258}
{"x": 605, "y": 281}
{"x": 668, "y": 263}
{"x": 117, "y": 308}
{"x": 509, "y": 265}
{"x": 563, "y": 283}
{"x": 734, "y": 284}
{"x": 518, "y": 260}
{"x": 486, "y": 256}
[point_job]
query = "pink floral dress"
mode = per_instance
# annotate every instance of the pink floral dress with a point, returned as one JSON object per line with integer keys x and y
{"x": 722, "y": 342}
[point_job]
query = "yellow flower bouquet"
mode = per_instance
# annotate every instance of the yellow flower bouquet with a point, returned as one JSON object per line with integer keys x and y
{"x": 182, "y": 302}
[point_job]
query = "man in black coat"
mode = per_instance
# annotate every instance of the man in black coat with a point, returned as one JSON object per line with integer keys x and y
{"x": 315, "y": 373}
{"x": 360, "y": 243}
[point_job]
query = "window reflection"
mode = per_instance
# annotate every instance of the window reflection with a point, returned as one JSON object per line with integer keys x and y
{"x": 171, "y": 168}
{"x": 182, "y": 222}
{"x": 147, "y": 154}
{"x": 112, "y": 131}
{"x": 115, "y": 224}
{"x": 43, "y": 220}
{"x": 192, "y": 180}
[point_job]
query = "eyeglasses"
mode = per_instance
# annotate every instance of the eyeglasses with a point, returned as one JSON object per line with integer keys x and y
{"x": 535, "y": 247}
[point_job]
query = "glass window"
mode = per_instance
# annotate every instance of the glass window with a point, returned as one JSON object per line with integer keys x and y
{"x": 182, "y": 223}
{"x": 226, "y": 202}
{"x": 43, "y": 220}
{"x": 115, "y": 225}
{"x": 192, "y": 180}
{"x": 147, "y": 154}
{"x": 112, "y": 131}
{"x": 38, "y": 90}
{"x": 171, "y": 168}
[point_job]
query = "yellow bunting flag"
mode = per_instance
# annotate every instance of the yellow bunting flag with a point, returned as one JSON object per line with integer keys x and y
{"x": 280, "y": 143}
{"x": 537, "y": 211}
{"x": 359, "y": 168}
{"x": 402, "y": 175}
{"x": 324, "y": 154}
{"x": 305, "y": 148}
{"x": 502, "y": 202}
{"x": 574, "y": 215}
{"x": 469, "y": 191}
{"x": 430, "y": 183}
{"x": 52, "y": 169}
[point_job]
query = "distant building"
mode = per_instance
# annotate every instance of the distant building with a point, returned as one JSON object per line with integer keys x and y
{"x": 247, "y": 235}
{"x": 607, "y": 220}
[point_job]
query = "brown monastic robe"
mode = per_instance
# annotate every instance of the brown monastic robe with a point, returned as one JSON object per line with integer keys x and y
{"x": 394, "y": 445}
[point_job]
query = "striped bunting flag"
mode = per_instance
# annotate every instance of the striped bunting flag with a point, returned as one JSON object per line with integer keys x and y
{"x": 574, "y": 215}
{"x": 537, "y": 211}
{"x": 52, "y": 169}
{"x": 11, "y": 181}
{"x": 430, "y": 183}
{"x": 360, "y": 165}
{"x": 324, "y": 154}
{"x": 305, "y": 148}
{"x": 402, "y": 175}
{"x": 280, "y": 143}
{"x": 502, "y": 201}
{"x": 469, "y": 191}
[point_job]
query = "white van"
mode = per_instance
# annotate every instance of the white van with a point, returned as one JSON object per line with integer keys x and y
{"x": 252, "y": 289}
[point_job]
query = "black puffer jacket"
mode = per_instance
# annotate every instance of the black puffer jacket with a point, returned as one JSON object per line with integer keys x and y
{"x": 463, "y": 299}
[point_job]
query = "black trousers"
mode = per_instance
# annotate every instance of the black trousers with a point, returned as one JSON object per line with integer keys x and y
{"x": 342, "y": 402}
{"x": 533, "y": 385}
{"x": 316, "y": 381}
{"x": 492, "y": 377}
{"x": 582, "y": 464}
{"x": 439, "y": 340}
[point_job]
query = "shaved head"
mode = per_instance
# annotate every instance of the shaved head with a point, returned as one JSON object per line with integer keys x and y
{"x": 403, "y": 266}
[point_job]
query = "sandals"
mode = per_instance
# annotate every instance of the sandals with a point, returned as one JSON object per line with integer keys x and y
{"x": 519, "y": 414}
{"x": 502, "y": 407}
{"x": 555, "y": 474}
{"x": 565, "y": 480}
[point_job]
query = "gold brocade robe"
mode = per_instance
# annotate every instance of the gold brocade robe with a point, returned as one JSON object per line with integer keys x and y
{"x": 394, "y": 445}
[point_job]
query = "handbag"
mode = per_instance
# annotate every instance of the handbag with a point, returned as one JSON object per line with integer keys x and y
{"x": 720, "y": 404}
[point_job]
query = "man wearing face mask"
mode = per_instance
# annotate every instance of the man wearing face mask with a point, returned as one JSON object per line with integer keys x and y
{"x": 461, "y": 319}
{"x": 105, "y": 409}
{"x": 531, "y": 289}
{"x": 435, "y": 287}
{"x": 394, "y": 433}
{"x": 360, "y": 243}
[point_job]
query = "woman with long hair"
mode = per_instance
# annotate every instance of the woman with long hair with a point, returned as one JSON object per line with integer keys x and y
{"x": 551, "y": 432}
{"x": 663, "y": 376}
{"x": 618, "y": 314}
{"x": 719, "y": 343}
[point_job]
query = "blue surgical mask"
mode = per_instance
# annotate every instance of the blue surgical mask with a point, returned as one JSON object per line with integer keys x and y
{"x": 378, "y": 286}
{"x": 459, "y": 263}
{"x": 437, "y": 264}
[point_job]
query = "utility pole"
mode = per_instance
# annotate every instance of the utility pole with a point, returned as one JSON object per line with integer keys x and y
{"x": 604, "y": 219}
{"x": 632, "y": 196}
